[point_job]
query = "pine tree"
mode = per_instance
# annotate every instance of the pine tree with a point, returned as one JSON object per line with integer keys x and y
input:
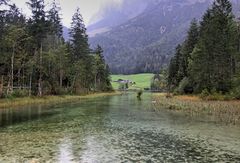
{"x": 174, "y": 73}
{"x": 82, "y": 79}
{"x": 79, "y": 37}
{"x": 55, "y": 47}
{"x": 38, "y": 30}
{"x": 211, "y": 65}
{"x": 102, "y": 72}
{"x": 54, "y": 19}
{"x": 188, "y": 46}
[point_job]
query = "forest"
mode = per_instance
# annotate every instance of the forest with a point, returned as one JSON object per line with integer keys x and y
{"x": 35, "y": 60}
{"x": 208, "y": 61}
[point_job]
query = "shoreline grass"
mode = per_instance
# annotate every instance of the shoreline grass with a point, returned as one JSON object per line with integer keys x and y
{"x": 223, "y": 111}
{"x": 18, "y": 102}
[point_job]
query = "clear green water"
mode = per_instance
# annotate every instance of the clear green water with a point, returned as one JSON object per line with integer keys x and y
{"x": 113, "y": 129}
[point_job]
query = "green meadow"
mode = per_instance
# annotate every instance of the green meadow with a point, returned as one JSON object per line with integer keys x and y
{"x": 142, "y": 80}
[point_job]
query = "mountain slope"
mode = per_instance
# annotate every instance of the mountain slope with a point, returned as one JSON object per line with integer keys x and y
{"x": 146, "y": 42}
{"x": 116, "y": 14}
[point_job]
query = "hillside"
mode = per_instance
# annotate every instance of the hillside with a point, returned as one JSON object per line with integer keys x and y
{"x": 115, "y": 14}
{"x": 146, "y": 42}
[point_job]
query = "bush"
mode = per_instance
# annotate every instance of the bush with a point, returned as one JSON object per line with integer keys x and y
{"x": 214, "y": 96}
{"x": 184, "y": 87}
{"x": 236, "y": 93}
{"x": 20, "y": 93}
{"x": 183, "y": 84}
{"x": 205, "y": 93}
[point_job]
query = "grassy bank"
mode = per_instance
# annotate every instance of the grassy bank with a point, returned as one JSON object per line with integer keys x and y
{"x": 142, "y": 80}
{"x": 224, "y": 111}
{"x": 16, "y": 102}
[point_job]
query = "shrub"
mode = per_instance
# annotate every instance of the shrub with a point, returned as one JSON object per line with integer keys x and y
{"x": 20, "y": 93}
{"x": 214, "y": 96}
{"x": 205, "y": 93}
{"x": 185, "y": 87}
{"x": 236, "y": 93}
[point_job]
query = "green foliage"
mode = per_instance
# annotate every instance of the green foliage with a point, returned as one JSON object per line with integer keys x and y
{"x": 20, "y": 93}
{"x": 212, "y": 59}
{"x": 187, "y": 48}
{"x": 159, "y": 82}
{"x": 236, "y": 93}
{"x": 146, "y": 43}
{"x": 102, "y": 72}
{"x": 35, "y": 59}
{"x": 213, "y": 95}
{"x": 208, "y": 58}
{"x": 174, "y": 74}
{"x": 205, "y": 93}
{"x": 184, "y": 85}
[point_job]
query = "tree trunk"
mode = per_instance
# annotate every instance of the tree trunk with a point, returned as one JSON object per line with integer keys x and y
{"x": 73, "y": 83}
{"x": 40, "y": 74}
{"x": 96, "y": 82}
{"x": 9, "y": 84}
{"x": 1, "y": 87}
{"x": 12, "y": 69}
{"x": 61, "y": 78}
{"x": 19, "y": 78}
{"x": 30, "y": 85}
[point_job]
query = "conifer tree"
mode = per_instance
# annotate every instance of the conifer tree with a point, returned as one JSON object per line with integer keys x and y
{"x": 102, "y": 73}
{"x": 81, "y": 59}
{"x": 188, "y": 47}
{"x": 54, "y": 19}
{"x": 38, "y": 30}
{"x": 174, "y": 75}
{"x": 211, "y": 66}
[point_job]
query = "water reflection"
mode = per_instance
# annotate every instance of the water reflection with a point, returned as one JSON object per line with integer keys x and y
{"x": 113, "y": 129}
{"x": 15, "y": 116}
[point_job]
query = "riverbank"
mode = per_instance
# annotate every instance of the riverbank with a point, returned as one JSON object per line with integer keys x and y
{"x": 16, "y": 102}
{"x": 224, "y": 111}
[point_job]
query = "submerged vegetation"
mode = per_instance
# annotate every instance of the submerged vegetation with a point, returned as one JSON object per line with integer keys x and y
{"x": 224, "y": 111}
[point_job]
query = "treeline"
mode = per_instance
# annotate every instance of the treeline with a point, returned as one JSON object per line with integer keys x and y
{"x": 208, "y": 61}
{"x": 35, "y": 59}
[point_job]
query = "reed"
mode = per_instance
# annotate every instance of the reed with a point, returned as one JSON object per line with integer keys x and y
{"x": 16, "y": 102}
{"x": 224, "y": 111}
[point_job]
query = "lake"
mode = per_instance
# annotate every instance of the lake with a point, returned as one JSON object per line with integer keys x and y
{"x": 113, "y": 129}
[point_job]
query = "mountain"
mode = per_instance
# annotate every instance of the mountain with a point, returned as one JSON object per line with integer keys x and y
{"x": 145, "y": 42}
{"x": 115, "y": 14}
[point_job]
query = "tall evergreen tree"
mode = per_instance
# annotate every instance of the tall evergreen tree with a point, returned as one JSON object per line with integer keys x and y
{"x": 102, "y": 73}
{"x": 38, "y": 30}
{"x": 56, "y": 54}
{"x": 56, "y": 27}
{"x": 79, "y": 37}
{"x": 211, "y": 66}
{"x": 174, "y": 74}
{"x": 82, "y": 79}
{"x": 188, "y": 47}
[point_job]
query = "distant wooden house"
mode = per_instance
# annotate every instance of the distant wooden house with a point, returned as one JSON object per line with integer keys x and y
{"x": 121, "y": 81}
{"x": 124, "y": 84}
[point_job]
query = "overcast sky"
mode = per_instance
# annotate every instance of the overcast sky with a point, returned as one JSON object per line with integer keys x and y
{"x": 88, "y": 8}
